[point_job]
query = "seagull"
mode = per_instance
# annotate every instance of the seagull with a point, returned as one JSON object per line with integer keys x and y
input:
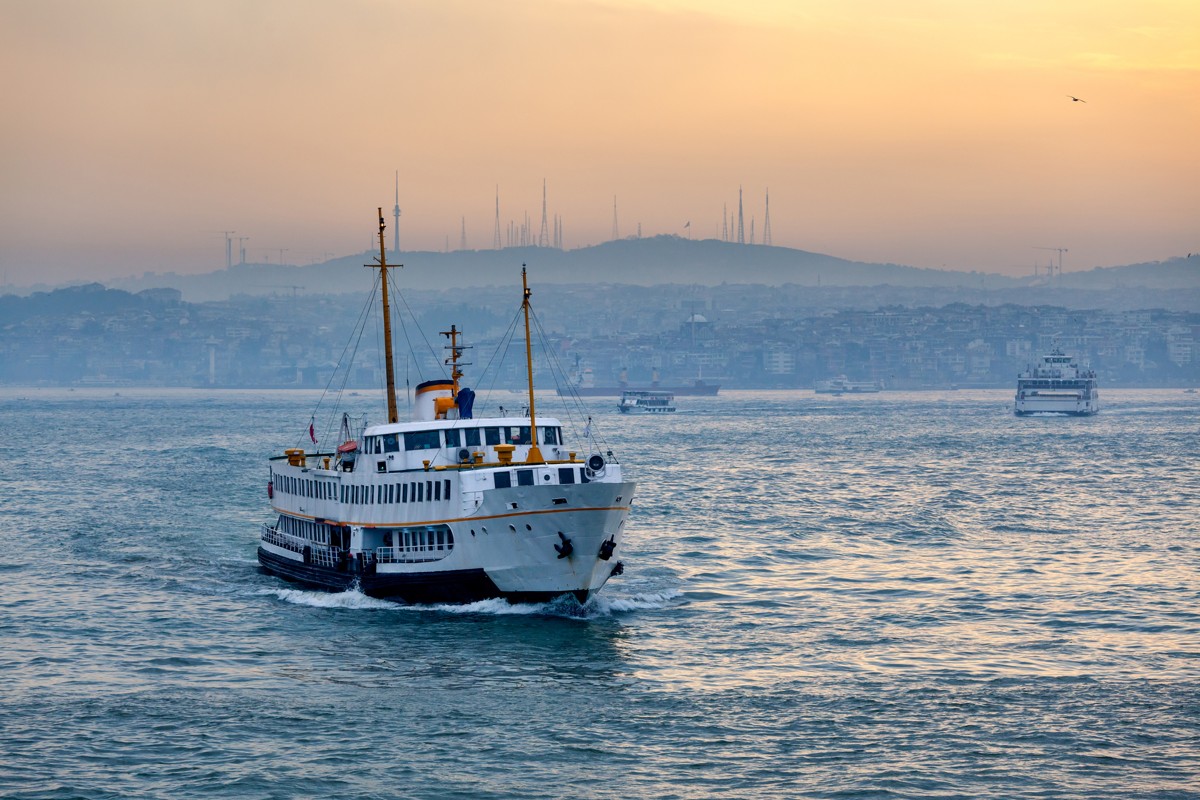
{"x": 1076, "y": 99}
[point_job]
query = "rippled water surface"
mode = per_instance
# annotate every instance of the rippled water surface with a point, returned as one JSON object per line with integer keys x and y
{"x": 899, "y": 595}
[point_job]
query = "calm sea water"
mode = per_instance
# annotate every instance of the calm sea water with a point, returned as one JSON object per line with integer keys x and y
{"x": 901, "y": 595}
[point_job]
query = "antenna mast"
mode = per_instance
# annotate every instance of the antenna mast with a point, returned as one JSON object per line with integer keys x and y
{"x": 496, "y": 237}
{"x": 767, "y": 222}
{"x": 396, "y": 215}
{"x": 741, "y": 229}
{"x": 544, "y": 236}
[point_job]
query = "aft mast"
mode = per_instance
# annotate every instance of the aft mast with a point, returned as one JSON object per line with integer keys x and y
{"x": 393, "y": 416}
{"x": 535, "y": 454}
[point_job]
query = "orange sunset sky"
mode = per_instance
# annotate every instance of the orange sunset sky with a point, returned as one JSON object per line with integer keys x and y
{"x": 935, "y": 134}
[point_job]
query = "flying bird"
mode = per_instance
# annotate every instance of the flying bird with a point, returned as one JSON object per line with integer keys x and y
{"x": 1076, "y": 99}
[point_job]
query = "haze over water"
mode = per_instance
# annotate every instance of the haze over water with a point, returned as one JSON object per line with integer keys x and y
{"x": 900, "y": 595}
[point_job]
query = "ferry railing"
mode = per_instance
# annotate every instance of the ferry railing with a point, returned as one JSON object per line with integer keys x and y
{"x": 317, "y": 553}
{"x": 415, "y": 554}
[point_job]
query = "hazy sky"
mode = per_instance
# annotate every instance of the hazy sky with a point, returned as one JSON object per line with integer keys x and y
{"x": 929, "y": 132}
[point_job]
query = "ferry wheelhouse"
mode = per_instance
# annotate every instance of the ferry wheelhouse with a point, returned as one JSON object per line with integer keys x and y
{"x": 1057, "y": 385}
{"x": 447, "y": 507}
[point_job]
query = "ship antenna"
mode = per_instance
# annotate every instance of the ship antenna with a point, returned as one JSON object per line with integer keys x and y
{"x": 535, "y": 455}
{"x": 387, "y": 324}
{"x": 456, "y": 351}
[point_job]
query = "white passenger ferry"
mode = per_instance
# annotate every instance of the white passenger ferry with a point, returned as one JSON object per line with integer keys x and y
{"x": 843, "y": 385}
{"x": 447, "y": 507}
{"x": 639, "y": 402}
{"x": 1057, "y": 385}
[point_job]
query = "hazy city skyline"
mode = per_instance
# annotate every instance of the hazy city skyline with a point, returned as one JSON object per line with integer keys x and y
{"x": 138, "y": 133}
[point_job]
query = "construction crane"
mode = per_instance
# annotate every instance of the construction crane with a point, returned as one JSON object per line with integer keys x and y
{"x": 242, "y": 247}
{"x": 279, "y": 286}
{"x": 1060, "y": 251}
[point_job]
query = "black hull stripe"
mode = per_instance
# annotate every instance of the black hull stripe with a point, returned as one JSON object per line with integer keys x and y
{"x": 446, "y": 586}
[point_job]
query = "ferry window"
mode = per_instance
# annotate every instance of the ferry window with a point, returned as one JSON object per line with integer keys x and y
{"x": 472, "y": 436}
{"x": 420, "y": 494}
{"x": 428, "y": 490}
{"x": 446, "y": 488}
{"x": 550, "y": 436}
{"x": 343, "y": 494}
{"x": 583, "y": 478}
{"x": 503, "y": 480}
{"x": 404, "y": 491}
{"x": 422, "y": 440}
{"x": 391, "y": 443}
{"x": 452, "y": 438}
{"x": 388, "y": 494}
{"x": 491, "y": 435}
{"x": 566, "y": 475}
{"x": 524, "y": 477}
{"x": 437, "y": 490}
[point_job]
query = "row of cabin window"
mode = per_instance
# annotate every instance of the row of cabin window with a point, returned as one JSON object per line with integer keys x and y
{"x": 525, "y": 477}
{"x": 415, "y": 492}
{"x": 318, "y": 490}
{"x": 459, "y": 437}
{"x": 304, "y": 529}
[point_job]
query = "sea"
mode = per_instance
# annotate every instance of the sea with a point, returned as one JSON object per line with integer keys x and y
{"x": 900, "y": 595}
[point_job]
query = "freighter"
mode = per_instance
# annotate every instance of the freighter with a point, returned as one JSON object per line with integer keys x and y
{"x": 448, "y": 507}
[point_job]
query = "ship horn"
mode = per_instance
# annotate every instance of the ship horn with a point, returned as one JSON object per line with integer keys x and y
{"x": 565, "y": 548}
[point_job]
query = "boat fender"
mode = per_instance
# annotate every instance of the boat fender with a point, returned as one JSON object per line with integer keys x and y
{"x": 464, "y": 455}
{"x": 596, "y": 463}
{"x": 270, "y": 490}
{"x": 607, "y": 547}
{"x": 565, "y": 549}
{"x": 618, "y": 569}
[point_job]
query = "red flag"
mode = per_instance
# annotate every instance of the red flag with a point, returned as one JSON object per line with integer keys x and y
{"x": 312, "y": 434}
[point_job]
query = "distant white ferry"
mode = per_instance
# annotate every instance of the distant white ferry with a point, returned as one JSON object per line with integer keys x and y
{"x": 1057, "y": 385}
{"x": 638, "y": 402}
{"x": 843, "y": 385}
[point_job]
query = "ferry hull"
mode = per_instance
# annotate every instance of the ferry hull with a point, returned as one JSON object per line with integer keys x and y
{"x": 524, "y": 544}
{"x": 446, "y": 586}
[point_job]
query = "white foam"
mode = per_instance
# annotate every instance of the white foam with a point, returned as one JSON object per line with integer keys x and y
{"x": 351, "y": 599}
{"x": 565, "y": 606}
{"x": 606, "y": 604}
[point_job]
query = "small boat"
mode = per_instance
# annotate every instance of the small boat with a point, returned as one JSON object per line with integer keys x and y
{"x": 1057, "y": 385}
{"x": 448, "y": 507}
{"x": 646, "y": 402}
